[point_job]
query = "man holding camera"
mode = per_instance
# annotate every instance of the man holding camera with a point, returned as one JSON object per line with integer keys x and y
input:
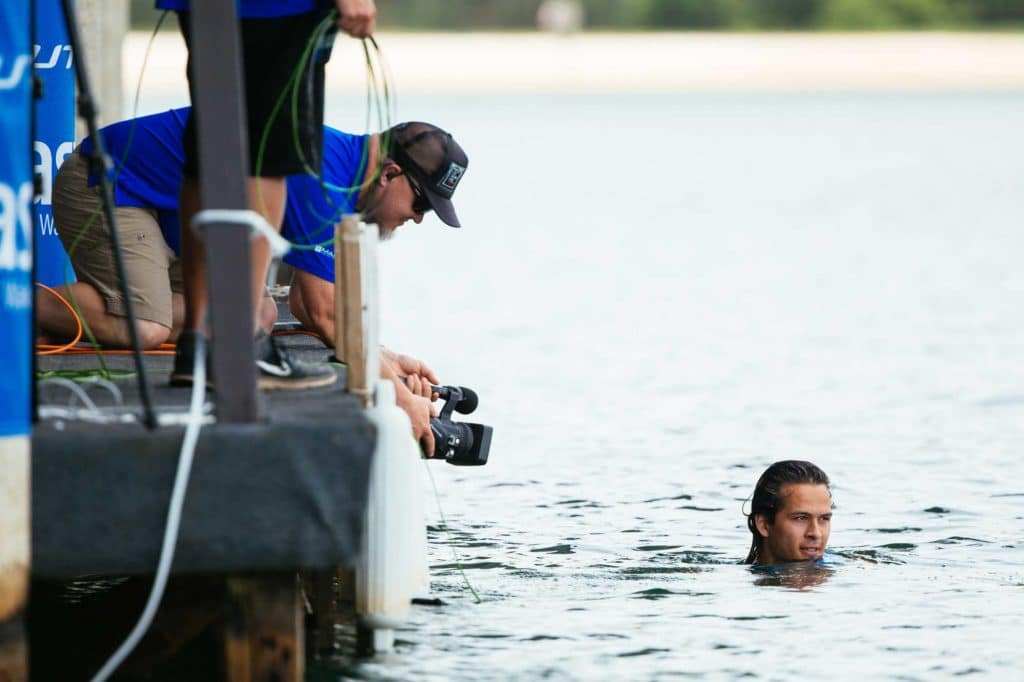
{"x": 390, "y": 177}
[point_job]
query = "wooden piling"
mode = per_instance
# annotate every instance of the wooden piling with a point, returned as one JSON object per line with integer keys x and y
{"x": 15, "y": 555}
{"x": 264, "y": 629}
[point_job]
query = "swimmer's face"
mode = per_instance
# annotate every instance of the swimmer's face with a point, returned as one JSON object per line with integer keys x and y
{"x": 801, "y": 527}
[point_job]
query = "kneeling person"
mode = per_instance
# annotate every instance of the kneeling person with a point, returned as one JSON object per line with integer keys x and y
{"x": 391, "y": 177}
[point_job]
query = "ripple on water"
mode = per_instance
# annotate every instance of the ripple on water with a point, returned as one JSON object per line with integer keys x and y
{"x": 643, "y": 652}
{"x": 674, "y": 498}
{"x": 873, "y": 556}
{"x": 960, "y": 540}
{"x": 555, "y": 549}
{"x": 634, "y": 571}
{"x": 656, "y": 593}
{"x": 904, "y": 529}
{"x": 690, "y": 556}
{"x": 485, "y": 565}
{"x": 579, "y": 504}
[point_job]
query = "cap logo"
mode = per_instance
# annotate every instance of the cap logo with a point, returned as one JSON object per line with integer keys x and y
{"x": 452, "y": 177}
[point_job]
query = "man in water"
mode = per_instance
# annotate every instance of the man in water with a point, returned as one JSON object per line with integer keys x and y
{"x": 790, "y": 514}
{"x": 390, "y": 177}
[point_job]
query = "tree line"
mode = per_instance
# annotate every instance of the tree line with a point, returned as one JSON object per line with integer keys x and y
{"x": 642, "y": 15}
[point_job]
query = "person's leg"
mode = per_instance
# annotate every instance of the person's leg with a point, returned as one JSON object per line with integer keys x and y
{"x": 281, "y": 144}
{"x": 267, "y": 196}
{"x": 193, "y": 258}
{"x": 58, "y": 322}
{"x": 268, "y": 314}
{"x": 85, "y": 234}
{"x": 272, "y": 49}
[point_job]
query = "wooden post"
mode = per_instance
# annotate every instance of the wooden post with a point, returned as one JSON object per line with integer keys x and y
{"x": 322, "y": 594}
{"x": 355, "y": 343}
{"x": 264, "y": 629}
{"x": 104, "y": 24}
{"x": 15, "y": 554}
{"x": 216, "y": 50}
{"x": 349, "y": 342}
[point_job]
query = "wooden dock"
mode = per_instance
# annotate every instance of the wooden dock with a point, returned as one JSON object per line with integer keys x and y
{"x": 266, "y": 501}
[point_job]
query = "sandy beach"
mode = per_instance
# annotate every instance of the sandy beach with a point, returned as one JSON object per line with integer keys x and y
{"x": 653, "y": 62}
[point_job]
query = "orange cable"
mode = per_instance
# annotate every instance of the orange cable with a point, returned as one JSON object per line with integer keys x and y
{"x": 72, "y": 348}
{"x": 60, "y": 349}
{"x": 292, "y": 332}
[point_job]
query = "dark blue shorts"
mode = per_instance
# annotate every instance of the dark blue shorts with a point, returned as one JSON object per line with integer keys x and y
{"x": 271, "y": 52}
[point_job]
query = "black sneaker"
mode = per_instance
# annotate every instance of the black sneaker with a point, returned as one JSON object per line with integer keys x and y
{"x": 184, "y": 359}
{"x": 278, "y": 372}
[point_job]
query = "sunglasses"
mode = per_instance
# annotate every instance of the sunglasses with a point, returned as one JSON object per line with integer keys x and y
{"x": 420, "y": 203}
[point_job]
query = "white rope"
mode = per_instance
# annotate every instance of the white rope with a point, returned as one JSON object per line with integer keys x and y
{"x": 163, "y": 570}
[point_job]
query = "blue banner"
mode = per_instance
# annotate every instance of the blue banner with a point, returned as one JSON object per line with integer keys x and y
{"x": 55, "y": 134}
{"x": 15, "y": 219}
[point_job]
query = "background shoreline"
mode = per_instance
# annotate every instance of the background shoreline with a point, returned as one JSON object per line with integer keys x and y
{"x": 540, "y": 63}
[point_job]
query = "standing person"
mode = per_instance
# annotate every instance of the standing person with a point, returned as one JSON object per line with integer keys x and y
{"x": 790, "y": 515}
{"x": 391, "y": 178}
{"x": 274, "y": 36}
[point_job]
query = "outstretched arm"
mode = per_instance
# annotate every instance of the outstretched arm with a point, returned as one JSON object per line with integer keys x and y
{"x": 311, "y": 300}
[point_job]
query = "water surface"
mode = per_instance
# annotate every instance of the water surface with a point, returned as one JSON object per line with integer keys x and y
{"x": 656, "y": 297}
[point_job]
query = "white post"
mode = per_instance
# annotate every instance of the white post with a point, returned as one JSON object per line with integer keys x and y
{"x": 103, "y": 25}
{"x": 392, "y": 562}
{"x": 15, "y": 554}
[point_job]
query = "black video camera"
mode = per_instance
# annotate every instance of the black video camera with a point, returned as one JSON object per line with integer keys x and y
{"x": 459, "y": 443}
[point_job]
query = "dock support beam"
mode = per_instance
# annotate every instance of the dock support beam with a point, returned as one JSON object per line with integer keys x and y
{"x": 223, "y": 168}
{"x": 264, "y": 629}
{"x": 15, "y": 555}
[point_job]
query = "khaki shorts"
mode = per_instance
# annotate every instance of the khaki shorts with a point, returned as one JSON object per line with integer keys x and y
{"x": 152, "y": 269}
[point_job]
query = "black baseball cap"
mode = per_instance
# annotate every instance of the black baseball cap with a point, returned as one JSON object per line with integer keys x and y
{"x": 434, "y": 159}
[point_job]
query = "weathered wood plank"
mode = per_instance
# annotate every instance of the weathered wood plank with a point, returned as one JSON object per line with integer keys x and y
{"x": 14, "y": 556}
{"x": 264, "y": 629}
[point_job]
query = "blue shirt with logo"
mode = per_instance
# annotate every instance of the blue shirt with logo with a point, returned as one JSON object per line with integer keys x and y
{"x": 148, "y": 163}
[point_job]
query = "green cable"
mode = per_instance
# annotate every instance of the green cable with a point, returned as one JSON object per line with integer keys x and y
{"x": 104, "y": 370}
{"x": 448, "y": 532}
{"x": 85, "y": 376}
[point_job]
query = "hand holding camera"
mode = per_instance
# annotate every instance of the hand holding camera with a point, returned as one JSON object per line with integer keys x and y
{"x": 459, "y": 443}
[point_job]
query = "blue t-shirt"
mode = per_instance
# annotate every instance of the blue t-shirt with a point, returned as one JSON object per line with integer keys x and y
{"x": 314, "y": 208}
{"x": 149, "y": 159}
{"x": 253, "y": 9}
{"x": 149, "y": 176}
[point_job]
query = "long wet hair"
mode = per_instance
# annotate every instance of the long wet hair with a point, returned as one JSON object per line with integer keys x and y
{"x": 767, "y": 498}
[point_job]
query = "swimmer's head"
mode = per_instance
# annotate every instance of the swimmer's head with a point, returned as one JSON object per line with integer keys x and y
{"x": 790, "y": 514}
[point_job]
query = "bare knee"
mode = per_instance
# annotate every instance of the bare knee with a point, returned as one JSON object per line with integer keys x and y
{"x": 151, "y": 334}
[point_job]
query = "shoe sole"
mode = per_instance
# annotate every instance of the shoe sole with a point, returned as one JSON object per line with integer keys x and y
{"x": 271, "y": 383}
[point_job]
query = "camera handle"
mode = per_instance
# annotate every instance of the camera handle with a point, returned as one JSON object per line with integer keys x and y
{"x": 454, "y": 397}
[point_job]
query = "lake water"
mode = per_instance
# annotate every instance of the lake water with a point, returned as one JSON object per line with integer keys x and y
{"x": 655, "y": 298}
{"x": 658, "y": 296}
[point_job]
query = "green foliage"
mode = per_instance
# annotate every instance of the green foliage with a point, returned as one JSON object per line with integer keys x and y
{"x": 630, "y": 15}
{"x": 887, "y": 14}
{"x": 785, "y": 14}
